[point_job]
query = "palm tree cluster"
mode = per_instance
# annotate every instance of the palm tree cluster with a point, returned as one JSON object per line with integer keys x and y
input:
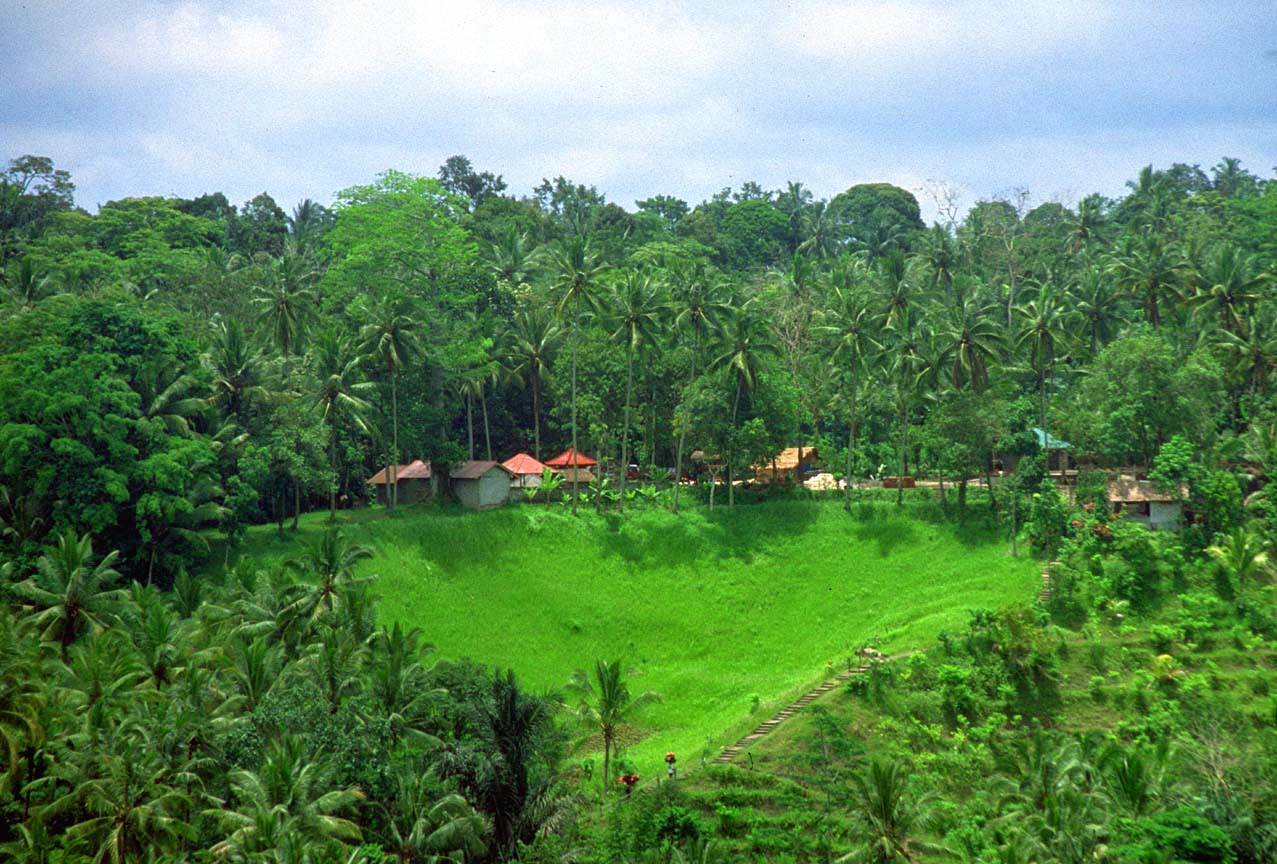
{"x": 264, "y": 719}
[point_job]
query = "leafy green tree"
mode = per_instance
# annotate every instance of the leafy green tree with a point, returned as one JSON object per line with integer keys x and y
{"x": 877, "y": 218}
{"x": 458, "y": 176}
{"x": 400, "y": 230}
{"x": 606, "y": 704}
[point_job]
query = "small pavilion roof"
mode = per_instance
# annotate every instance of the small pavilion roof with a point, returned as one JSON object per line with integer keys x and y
{"x": 571, "y": 457}
{"x": 415, "y": 470}
{"x": 522, "y": 463}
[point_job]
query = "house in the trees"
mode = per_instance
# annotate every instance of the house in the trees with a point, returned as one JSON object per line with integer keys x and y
{"x": 573, "y": 466}
{"x": 1141, "y": 501}
{"x": 793, "y": 464}
{"x": 415, "y": 480}
{"x": 480, "y": 484}
{"x": 526, "y": 471}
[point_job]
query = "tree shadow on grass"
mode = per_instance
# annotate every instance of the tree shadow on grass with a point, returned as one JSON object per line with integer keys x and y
{"x": 887, "y": 532}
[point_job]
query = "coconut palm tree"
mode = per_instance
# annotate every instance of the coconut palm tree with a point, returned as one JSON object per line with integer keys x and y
{"x": 606, "y": 704}
{"x": 397, "y": 682}
{"x": 906, "y": 363}
{"x": 25, "y": 286}
{"x": 287, "y": 796}
{"x": 1253, "y": 351}
{"x": 330, "y": 562}
{"x": 68, "y": 592}
{"x": 513, "y": 257}
{"x": 504, "y": 773}
{"x": 1149, "y": 269}
{"x": 1096, "y": 307}
{"x": 849, "y": 316}
{"x": 1042, "y": 324}
{"x": 697, "y": 304}
{"x": 287, "y": 301}
{"x": 888, "y": 818}
{"x": 970, "y": 340}
{"x": 236, "y": 369}
{"x": 1228, "y": 284}
{"x": 528, "y": 346}
{"x": 423, "y": 825}
{"x": 633, "y": 311}
{"x": 126, "y": 806}
{"x": 389, "y": 340}
{"x": 745, "y": 345}
{"x": 1242, "y": 555}
{"x": 576, "y": 272}
{"x": 340, "y": 394}
{"x": 21, "y": 693}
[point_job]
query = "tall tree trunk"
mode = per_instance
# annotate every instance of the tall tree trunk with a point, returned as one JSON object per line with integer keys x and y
{"x": 536, "y": 415}
{"x": 625, "y": 431}
{"x": 731, "y": 452}
{"x": 487, "y": 432}
{"x": 394, "y": 446}
{"x": 904, "y": 445}
{"x": 682, "y": 432}
{"x": 297, "y": 504}
{"x": 851, "y": 450}
{"x": 576, "y": 468}
{"x": 332, "y": 463}
{"x": 470, "y": 424}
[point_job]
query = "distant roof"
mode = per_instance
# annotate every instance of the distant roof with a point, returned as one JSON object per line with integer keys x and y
{"x": 1128, "y": 490}
{"x": 787, "y": 459}
{"x": 475, "y": 469}
{"x": 570, "y": 457}
{"x": 583, "y": 475}
{"x": 522, "y": 463}
{"x": 1047, "y": 441}
{"x": 415, "y": 470}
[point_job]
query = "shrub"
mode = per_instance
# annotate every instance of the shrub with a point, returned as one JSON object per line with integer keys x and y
{"x": 1164, "y": 637}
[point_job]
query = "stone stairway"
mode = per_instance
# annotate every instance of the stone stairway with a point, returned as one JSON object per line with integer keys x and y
{"x": 1045, "y": 594}
{"x": 731, "y": 752}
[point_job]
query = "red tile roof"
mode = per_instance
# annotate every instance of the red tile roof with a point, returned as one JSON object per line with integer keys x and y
{"x": 522, "y": 463}
{"x": 415, "y": 470}
{"x": 571, "y": 457}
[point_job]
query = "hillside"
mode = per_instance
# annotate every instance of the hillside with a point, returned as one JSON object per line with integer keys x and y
{"x": 727, "y": 614}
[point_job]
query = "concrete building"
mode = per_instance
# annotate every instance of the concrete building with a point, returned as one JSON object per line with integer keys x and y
{"x": 480, "y": 485}
{"x": 1141, "y": 501}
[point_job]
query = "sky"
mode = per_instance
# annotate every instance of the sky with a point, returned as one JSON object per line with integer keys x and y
{"x": 303, "y": 98}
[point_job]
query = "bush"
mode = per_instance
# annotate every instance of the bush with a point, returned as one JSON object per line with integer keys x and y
{"x": 1164, "y": 637}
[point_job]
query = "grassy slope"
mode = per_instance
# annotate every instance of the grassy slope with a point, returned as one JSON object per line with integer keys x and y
{"x": 709, "y": 609}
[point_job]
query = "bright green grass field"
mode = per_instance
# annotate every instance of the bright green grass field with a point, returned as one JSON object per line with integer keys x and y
{"x": 707, "y": 608}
